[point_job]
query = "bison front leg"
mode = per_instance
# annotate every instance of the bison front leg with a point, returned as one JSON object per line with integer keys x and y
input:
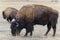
{"x": 18, "y": 33}
{"x": 30, "y": 33}
{"x": 26, "y": 32}
{"x": 54, "y": 29}
{"x": 48, "y": 28}
{"x": 29, "y": 30}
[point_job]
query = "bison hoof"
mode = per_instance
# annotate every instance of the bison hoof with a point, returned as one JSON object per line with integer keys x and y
{"x": 53, "y": 35}
{"x": 45, "y": 34}
{"x": 13, "y": 35}
{"x": 30, "y": 34}
{"x": 18, "y": 34}
{"x": 25, "y": 35}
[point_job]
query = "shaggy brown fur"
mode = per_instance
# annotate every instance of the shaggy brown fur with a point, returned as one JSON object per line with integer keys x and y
{"x": 30, "y": 15}
{"x": 9, "y": 13}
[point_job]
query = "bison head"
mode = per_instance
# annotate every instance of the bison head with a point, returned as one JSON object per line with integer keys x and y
{"x": 14, "y": 28}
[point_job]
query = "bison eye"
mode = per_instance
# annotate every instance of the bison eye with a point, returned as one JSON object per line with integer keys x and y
{"x": 16, "y": 25}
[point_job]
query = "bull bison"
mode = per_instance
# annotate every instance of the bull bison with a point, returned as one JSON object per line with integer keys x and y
{"x": 15, "y": 29}
{"x": 9, "y": 13}
{"x": 30, "y": 15}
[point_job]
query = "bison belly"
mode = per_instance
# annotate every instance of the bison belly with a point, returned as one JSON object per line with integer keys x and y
{"x": 41, "y": 21}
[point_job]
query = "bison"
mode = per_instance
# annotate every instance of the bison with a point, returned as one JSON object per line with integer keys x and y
{"x": 16, "y": 29}
{"x": 30, "y": 15}
{"x": 9, "y": 13}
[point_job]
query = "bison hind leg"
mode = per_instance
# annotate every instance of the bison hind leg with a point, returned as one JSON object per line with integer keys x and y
{"x": 32, "y": 28}
{"x": 53, "y": 24}
{"x": 54, "y": 29}
{"x": 48, "y": 28}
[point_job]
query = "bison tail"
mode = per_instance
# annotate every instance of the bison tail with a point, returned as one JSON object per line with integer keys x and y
{"x": 3, "y": 15}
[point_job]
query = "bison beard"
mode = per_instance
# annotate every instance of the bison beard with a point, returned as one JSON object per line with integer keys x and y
{"x": 30, "y": 15}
